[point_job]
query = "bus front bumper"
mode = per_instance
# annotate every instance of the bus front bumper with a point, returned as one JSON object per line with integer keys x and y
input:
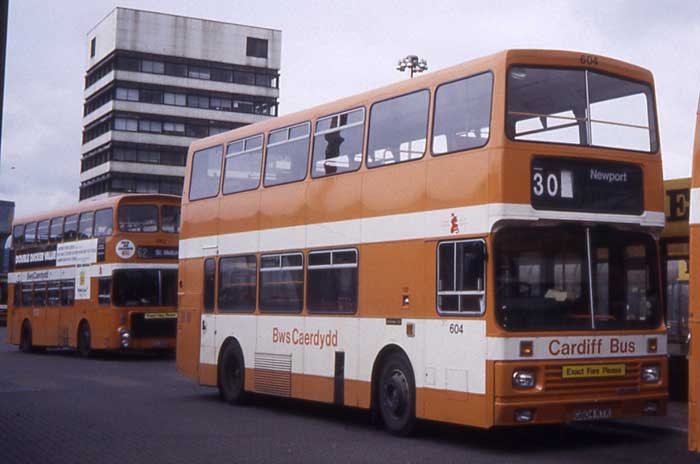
{"x": 534, "y": 411}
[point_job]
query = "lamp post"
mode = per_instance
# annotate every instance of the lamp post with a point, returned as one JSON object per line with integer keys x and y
{"x": 413, "y": 64}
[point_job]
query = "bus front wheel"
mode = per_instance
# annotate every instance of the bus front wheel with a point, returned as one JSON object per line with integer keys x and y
{"x": 25, "y": 338}
{"x": 397, "y": 395}
{"x": 84, "y": 336}
{"x": 231, "y": 375}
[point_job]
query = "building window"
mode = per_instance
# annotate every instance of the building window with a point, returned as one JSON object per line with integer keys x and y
{"x": 206, "y": 173}
{"x": 332, "y": 281}
{"x": 127, "y": 94}
{"x": 282, "y": 282}
{"x": 199, "y": 72}
{"x": 93, "y": 44}
{"x": 209, "y": 284}
{"x": 398, "y": 129}
{"x": 155, "y": 67}
{"x": 237, "y": 285}
{"x": 221, "y": 75}
{"x": 256, "y": 47}
{"x": 176, "y": 69}
{"x": 243, "y": 164}
{"x": 177, "y": 99}
{"x": 104, "y": 290}
{"x": 176, "y": 128}
{"x": 461, "y": 270}
{"x": 462, "y": 114}
{"x": 154, "y": 127}
{"x": 126, "y": 124}
{"x": 338, "y": 143}
{"x": 287, "y": 154}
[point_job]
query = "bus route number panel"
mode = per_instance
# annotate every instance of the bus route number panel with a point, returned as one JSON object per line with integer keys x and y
{"x": 563, "y": 184}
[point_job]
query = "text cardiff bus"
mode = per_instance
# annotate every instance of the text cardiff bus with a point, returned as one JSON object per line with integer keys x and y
{"x": 99, "y": 276}
{"x": 476, "y": 246}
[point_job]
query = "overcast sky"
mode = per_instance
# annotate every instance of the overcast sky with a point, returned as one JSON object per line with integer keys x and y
{"x": 332, "y": 49}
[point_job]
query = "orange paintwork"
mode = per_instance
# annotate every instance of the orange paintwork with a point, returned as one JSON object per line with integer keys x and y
{"x": 495, "y": 173}
{"x": 694, "y": 310}
{"x": 58, "y": 326}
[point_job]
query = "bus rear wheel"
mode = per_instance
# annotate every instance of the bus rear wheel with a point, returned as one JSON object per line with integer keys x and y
{"x": 84, "y": 341}
{"x": 231, "y": 375}
{"x": 397, "y": 395}
{"x": 25, "y": 338}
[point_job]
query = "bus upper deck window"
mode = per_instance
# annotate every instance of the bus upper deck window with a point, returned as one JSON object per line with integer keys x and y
{"x": 206, "y": 173}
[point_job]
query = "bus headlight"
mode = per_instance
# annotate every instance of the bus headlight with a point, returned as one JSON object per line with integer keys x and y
{"x": 651, "y": 374}
{"x": 523, "y": 379}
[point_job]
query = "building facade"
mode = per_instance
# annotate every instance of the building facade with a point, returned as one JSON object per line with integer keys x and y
{"x": 155, "y": 82}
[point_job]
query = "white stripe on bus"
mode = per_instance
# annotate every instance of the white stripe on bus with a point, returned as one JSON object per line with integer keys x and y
{"x": 471, "y": 220}
{"x": 456, "y": 360}
{"x": 69, "y": 272}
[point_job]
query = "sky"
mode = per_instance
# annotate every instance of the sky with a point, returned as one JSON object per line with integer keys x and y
{"x": 333, "y": 49}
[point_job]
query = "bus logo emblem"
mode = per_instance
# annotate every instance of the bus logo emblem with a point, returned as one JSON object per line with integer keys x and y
{"x": 125, "y": 249}
{"x": 454, "y": 224}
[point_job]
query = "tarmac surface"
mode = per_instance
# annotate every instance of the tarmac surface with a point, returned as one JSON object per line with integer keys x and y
{"x": 58, "y": 408}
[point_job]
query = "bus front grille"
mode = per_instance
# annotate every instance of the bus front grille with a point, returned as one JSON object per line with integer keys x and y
{"x": 554, "y": 382}
{"x": 152, "y": 328}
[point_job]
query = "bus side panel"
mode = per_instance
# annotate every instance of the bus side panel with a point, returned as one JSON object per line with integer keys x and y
{"x": 189, "y": 318}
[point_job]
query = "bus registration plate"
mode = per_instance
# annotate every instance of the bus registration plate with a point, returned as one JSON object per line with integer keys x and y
{"x": 580, "y": 371}
{"x": 591, "y": 414}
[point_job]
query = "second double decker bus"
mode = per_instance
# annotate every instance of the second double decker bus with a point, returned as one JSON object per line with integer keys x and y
{"x": 476, "y": 246}
{"x": 98, "y": 276}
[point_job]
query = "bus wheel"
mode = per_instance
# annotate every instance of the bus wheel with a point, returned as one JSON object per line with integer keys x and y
{"x": 25, "y": 338}
{"x": 231, "y": 375}
{"x": 84, "y": 340}
{"x": 397, "y": 395}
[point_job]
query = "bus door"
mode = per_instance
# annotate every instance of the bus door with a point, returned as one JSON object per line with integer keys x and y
{"x": 207, "y": 319}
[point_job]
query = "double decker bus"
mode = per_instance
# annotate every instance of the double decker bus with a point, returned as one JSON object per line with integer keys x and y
{"x": 477, "y": 246}
{"x": 99, "y": 276}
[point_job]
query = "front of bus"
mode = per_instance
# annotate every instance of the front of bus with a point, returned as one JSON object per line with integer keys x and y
{"x": 576, "y": 332}
{"x": 143, "y": 257}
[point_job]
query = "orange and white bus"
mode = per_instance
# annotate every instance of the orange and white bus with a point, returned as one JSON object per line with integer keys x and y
{"x": 478, "y": 246}
{"x": 99, "y": 276}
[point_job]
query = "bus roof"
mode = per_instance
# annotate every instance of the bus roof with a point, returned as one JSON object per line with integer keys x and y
{"x": 90, "y": 205}
{"x": 497, "y": 61}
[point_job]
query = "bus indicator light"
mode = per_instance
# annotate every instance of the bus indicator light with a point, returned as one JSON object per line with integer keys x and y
{"x": 526, "y": 348}
{"x": 652, "y": 345}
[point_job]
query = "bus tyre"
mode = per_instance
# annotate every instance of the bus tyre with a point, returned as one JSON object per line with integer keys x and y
{"x": 84, "y": 341}
{"x": 231, "y": 375}
{"x": 25, "y": 338}
{"x": 397, "y": 395}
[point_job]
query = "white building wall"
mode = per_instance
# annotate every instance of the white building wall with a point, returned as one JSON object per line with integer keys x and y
{"x": 180, "y": 36}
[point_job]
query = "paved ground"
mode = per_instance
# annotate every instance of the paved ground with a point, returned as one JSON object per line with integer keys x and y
{"x": 57, "y": 408}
